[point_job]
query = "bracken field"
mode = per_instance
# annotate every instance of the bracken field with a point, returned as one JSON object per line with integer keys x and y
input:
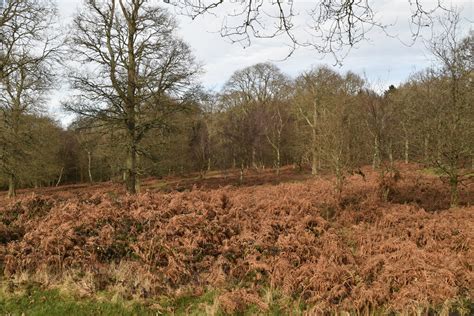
{"x": 286, "y": 245}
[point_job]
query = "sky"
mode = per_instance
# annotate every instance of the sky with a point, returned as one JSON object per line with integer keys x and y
{"x": 382, "y": 60}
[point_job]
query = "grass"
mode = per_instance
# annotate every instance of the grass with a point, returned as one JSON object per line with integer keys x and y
{"x": 51, "y": 303}
{"x": 32, "y": 300}
{"x": 205, "y": 304}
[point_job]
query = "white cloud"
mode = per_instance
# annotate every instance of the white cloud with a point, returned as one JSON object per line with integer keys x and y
{"x": 384, "y": 60}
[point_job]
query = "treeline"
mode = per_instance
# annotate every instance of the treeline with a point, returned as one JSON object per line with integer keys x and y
{"x": 141, "y": 110}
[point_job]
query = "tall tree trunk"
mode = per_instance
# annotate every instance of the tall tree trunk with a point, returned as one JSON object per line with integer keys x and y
{"x": 407, "y": 149}
{"x": 131, "y": 107}
{"x": 454, "y": 192}
{"x": 314, "y": 153}
{"x": 254, "y": 162}
{"x": 390, "y": 154}
{"x": 60, "y": 177}
{"x": 376, "y": 160}
{"x": 89, "y": 165}
{"x": 16, "y": 113}
{"x": 339, "y": 180}
{"x": 138, "y": 184}
{"x": 438, "y": 151}
{"x": 278, "y": 160}
{"x": 426, "y": 153}
{"x": 11, "y": 186}
{"x": 131, "y": 180}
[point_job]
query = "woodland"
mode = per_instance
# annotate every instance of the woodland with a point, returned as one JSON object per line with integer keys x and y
{"x": 310, "y": 194}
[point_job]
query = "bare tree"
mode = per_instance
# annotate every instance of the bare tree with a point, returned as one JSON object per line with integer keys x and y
{"x": 339, "y": 123}
{"x": 135, "y": 71}
{"x": 328, "y": 105}
{"x": 313, "y": 89}
{"x": 29, "y": 51}
{"x": 329, "y": 26}
{"x": 378, "y": 120}
{"x": 278, "y": 118}
{"x": 255, "y": 97}
{"x": 455, "y": 117}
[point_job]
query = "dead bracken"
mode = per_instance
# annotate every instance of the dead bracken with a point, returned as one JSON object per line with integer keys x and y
{"x": 400, "y": 255}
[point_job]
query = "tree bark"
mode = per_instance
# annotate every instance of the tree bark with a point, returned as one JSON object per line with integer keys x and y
{"x": 278, "y": 161}
{"x": 89, "y": 165}
{"x": 425, "y": 145}
{"x": 254, "y": 163}
{"x": 11, "y": 186}
{"x": 390, "y": 154}
{"x": 60, "y": 177}
{"x": 131, "y": 180}
{"x": 407, "y": 149}
{"x": 131, "y": 106}
{"x": 454, "y": 192}
{"x": 339, "y": 181}
{"x": 376, "y": 160}
{"x": 314, "y": 154}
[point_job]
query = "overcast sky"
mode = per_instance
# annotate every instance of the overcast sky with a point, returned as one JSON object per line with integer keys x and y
{"x": 383, "y": 60}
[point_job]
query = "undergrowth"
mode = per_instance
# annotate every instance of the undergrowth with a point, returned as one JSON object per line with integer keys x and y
{"x": 222, "y": 250}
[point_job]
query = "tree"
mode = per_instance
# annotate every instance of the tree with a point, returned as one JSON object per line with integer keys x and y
{"x": 341, "y": 128}
{"x": 199, "y": 122}
{"x": 454, "y": 128}
{"x": 327, "y": 104}
{"x": 278, "y": 119}
{"x": 37, "y": 161}
{"x": 313, "y": 89}
{"x": 255, "y": 98}
{"x": 137, "y": 70}
{"x": 329, "y": 26}
{"x": 29, "y": 52}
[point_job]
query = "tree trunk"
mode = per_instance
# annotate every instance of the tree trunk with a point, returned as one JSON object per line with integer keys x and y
{"x": 376, "y": 160}
{"x": 60, "y": 177}
{"x": 407, "y": 149}
{"x": 426, "y": 149}
{"x": 390, "y": 154}
{"x": 11, "y": 186}
{"x": 131, "y": 107}
{"x": 314, "y": 153}
{"x": 278, "y": 161}
{"x": 16, "y": 127}
{"x": 254, "y": 163}
{"x": 454, "y": 192}
{"x": 131, "y": 181}
{"x": 314, "y": 164}
{"x": 138, "y": 185}
{"x": 339, "y": 181}
{"x": 89, "y": 165}
{"x": 438, "y": 151}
